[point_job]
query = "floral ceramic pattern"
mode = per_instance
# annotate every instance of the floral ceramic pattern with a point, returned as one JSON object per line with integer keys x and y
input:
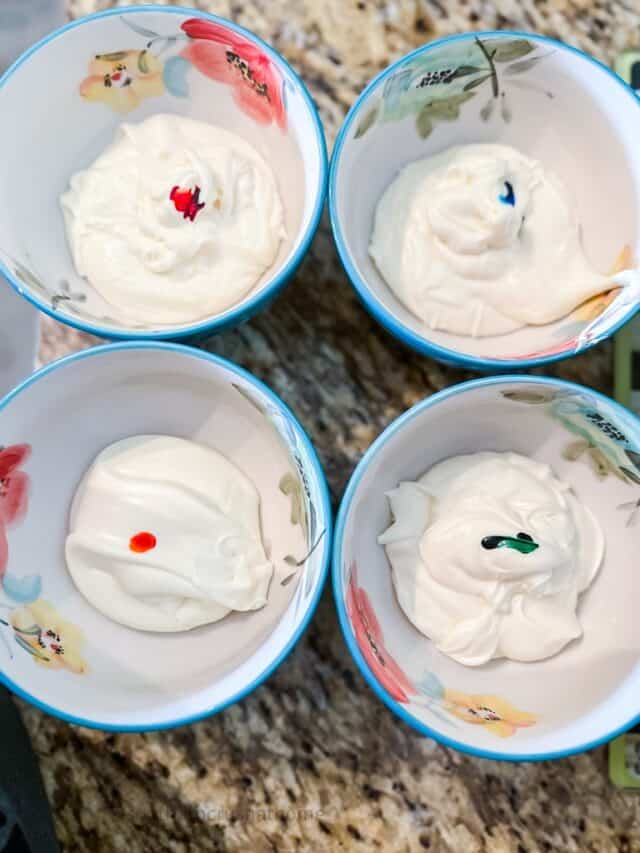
{"x": 370, "y": 640}
{"x": 303, "y": 511}
{"x": 493, "y": 713}
{"x": 224, "y": 56}
{"x": 51, "y": 641}
{"x": 294, "y": 485}
{"x": 435, "y": 85}
{"x": 14, "y": 486}
{"x": 603, "y": 444}
{"x": 33, "y": 624}
{"x": 124, "y": 79}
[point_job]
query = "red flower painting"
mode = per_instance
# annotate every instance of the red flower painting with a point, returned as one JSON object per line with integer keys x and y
{"x": 14, "y": 487}
{"x": 4, "y": 551}
{"x": 14, "y": 483}
{"x": 371, "y": 643}
{"x": 223, "y": 55}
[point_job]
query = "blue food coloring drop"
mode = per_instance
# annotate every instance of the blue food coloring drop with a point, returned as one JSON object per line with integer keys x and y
{"x": 508, "y": 197}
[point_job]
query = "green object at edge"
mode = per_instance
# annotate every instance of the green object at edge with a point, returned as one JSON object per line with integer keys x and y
{"x": 624, "y": 761}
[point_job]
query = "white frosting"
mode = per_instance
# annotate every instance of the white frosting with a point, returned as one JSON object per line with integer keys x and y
{"x": 205, "y": 516}
{"x": 465, "y": 261}
{"x": 477, "y": 603}
{"x": 141, "y": 253}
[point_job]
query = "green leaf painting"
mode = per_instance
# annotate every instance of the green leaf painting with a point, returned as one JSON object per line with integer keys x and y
{"x": 478, "y": 81}
{"x": 523, "y": 65}
{"x": 604, "y": 445}
{"x": 143, "y": 62}
{"x": 447, "y": 109}
{"x": 434, "y": 86}
{"x": 465, "y": 70}
{"x": 291, "y": 486}
{"x": 368, "y": 121}
{"x": 506, "y": 50}
{"x": 424, "y": 125}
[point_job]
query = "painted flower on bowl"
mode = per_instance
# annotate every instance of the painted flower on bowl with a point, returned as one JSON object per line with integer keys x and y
{"x": 603, "y": 442}
{"x": 222, "y": 55}
{"x": 432, "y": 77}
{"x": 14, "y": 483}
{"x": 47, "y": 637}
{"x": 123, "y": 79}
{"x": 600, "y": 442}
{"x": 14, "y": 489}
{"x": 434, "y": 85}
{"x": 495, "y": 714}
{"x": 370, "y": 640}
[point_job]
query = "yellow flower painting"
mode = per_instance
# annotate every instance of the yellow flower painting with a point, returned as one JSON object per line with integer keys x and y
{"x": 49, "y": 639}
{"x": 495, "y": 714}
{"x": 595, "y": 306}
{"x": 123, "y": 79}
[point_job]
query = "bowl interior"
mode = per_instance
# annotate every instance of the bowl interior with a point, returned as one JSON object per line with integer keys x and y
{"x": 67, "y": 414}
{"x": 547, "y": 100}
{"x": 62, "y": 132}
{"x": 590, "y": 688}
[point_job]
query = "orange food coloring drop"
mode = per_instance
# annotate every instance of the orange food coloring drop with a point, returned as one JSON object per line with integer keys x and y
{"x": 141, "y": 542}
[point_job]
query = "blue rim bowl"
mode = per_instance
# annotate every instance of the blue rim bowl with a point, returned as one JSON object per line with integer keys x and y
{"x": 235, "y": 315}
{"x": 339, "y": 592}
{"x": 373, "y": 305}
{"x": 324, "y": 545}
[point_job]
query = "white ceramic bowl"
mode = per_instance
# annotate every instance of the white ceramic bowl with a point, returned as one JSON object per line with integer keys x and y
{"x": 550, "y": 101}
{"x": 588, "y": 692}
{"x": 61, "y": 131}
{"x": 110, "y": 676}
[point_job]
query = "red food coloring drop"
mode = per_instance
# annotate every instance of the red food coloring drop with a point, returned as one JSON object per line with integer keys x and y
{"x": 141, "y": 542}
{"x": 187, "y": 202}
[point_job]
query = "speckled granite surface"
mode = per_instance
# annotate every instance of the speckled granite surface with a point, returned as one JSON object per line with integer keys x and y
{"x": 312, "y": 761}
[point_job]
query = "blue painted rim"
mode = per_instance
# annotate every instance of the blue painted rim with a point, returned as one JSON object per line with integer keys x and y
{"x": 340, "y": 594}
{"x": 325, "y": 519}
{"x": 385, "y": 317}
{"x": 234, "y": 316}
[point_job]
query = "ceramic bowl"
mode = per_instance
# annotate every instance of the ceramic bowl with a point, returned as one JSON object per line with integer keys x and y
{"x": 589, "y": 691}
{"x": 68, "y": 115}
{"x": 546, "y": 99}
{"x": 52, "y": 426}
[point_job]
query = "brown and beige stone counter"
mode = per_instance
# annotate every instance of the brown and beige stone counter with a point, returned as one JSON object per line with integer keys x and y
{"x": 312, "y": 761}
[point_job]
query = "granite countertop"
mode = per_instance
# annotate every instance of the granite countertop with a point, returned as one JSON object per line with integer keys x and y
{"x": 312, "y": 761}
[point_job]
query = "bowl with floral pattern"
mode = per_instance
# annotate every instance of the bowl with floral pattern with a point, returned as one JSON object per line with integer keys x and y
{"x": 56, "y": 650}
{"x": 547, "y": 100}
{"x": 585, "y": 694}
{"x": 75, "y": 87}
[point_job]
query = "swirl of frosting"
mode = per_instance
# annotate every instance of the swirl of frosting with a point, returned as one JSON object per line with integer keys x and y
{"x": 489, "y": 553}
{"x": 165, "y": 535}
{"x": 481, "y": 240}
{"x": 176, "y": 219}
